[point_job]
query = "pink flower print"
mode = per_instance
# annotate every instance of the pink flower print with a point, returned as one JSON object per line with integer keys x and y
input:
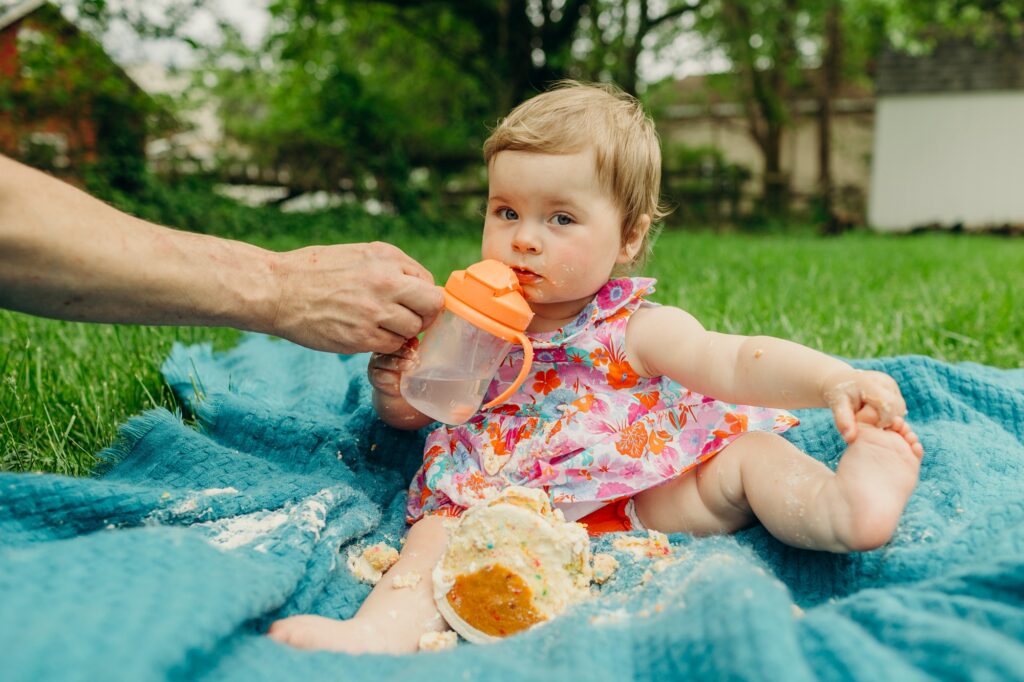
{"x": 632, "y": 469}
{"x": 613, "y": 489}
{"x": 613, "y": 293}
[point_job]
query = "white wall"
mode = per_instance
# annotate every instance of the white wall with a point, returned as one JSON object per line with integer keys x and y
{"x": 947, "y": 159}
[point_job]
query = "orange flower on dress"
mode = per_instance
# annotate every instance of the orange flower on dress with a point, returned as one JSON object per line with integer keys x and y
{"x": 497, "y": 439}
{"x": 648, "y": 399}
{"x": 656, "y": 443}
{"x": 737, "y": 423}
{"x": 475, "y": 482}
{"x": 585, "y": 403}
{"x": 621, "y": 375}
{"x": 599, "y": 356}
{"x": 545, "y": 382}
{"x": 632, "y": 440}
{"x": 787, "y": 420}
{"x": 554, "y": 429}
{"x": 617, "y": 315}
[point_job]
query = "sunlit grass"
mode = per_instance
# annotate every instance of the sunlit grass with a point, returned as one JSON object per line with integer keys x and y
{"x": 64, "y": 387}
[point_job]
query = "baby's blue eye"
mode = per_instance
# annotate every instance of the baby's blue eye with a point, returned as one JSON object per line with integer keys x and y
{"x": 507, "y": 214}
{"x": 562, "y": 219}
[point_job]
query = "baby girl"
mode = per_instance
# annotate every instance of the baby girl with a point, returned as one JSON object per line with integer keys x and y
{"x": 637, "y": 417}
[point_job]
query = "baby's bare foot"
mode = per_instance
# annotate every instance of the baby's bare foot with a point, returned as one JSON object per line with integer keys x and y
{"x": 868, "y": 415}
{"x": 875, "y": 478}
{"x": 354, "y": 636}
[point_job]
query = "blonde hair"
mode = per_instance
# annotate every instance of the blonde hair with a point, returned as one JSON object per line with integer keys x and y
{"x": 572, "y": 117}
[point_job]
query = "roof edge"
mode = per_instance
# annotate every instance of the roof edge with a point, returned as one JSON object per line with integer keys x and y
{"x": 19, "y": 11}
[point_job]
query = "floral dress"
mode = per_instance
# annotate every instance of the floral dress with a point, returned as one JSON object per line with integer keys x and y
{"x": 584, "y": 427}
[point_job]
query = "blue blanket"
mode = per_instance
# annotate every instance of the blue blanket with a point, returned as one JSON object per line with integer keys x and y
{"x": 172, "y": 561}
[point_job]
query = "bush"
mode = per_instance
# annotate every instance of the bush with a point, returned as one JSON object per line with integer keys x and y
{"x": 191, "y": 203}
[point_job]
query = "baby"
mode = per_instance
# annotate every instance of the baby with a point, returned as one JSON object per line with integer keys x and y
{"x": 636, "y": 416}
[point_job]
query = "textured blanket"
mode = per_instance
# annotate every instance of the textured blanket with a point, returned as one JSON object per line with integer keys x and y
{"x": 171, "y": 563}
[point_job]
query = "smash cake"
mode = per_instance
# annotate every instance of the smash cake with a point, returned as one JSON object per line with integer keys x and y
{"x": 511, "y": 562}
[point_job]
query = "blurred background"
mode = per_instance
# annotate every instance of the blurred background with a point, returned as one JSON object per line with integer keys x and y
{"x": 836, "y": 114}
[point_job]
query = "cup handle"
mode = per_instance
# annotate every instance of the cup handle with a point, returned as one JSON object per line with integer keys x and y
{"x": 527, "y": 363}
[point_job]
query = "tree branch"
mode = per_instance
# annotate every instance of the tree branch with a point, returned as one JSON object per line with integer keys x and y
{"x": 674, "y": 13}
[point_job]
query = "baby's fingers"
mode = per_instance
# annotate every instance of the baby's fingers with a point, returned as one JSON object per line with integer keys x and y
{"x": 883, "y": 393}
{"x": 392, "y": 363}
{"x": 842, "y": 412}
{"x": 385, "y": 381}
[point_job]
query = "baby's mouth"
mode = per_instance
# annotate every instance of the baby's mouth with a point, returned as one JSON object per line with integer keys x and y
{"x": 526, "y": 276}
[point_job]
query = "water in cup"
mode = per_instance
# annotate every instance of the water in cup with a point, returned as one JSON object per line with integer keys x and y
{"x": 447, "y": 398}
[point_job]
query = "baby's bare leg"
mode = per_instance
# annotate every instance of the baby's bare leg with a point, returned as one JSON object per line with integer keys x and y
{"x": 391, "y": 620}
{"x": 799, "y": 500}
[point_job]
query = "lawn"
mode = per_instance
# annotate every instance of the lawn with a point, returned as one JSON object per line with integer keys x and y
{"x": 65, "y": 387}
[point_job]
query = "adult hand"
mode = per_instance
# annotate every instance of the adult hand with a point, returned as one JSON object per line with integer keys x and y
{"x": 351, "y": 298}
{"x": 66, "y": 255}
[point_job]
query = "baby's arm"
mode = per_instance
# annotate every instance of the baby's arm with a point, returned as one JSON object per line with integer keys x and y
{"x": 385, "y": 374}
{"x": 756, "y": 370}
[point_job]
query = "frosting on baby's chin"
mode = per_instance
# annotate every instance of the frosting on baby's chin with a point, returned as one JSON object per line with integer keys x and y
{"x": 511, "y": 562}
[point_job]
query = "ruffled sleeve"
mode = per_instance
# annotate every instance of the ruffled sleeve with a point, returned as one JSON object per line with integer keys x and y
{"x": 617, "y": 296}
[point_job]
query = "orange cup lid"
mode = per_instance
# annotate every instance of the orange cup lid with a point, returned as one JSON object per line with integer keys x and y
{"x": 492, "y": 289}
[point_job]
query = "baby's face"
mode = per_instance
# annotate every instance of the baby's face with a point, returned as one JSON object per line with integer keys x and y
{"x": 550, "y": 219}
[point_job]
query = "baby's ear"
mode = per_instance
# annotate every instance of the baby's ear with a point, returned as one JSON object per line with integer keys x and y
{"x": 633, "y": 243}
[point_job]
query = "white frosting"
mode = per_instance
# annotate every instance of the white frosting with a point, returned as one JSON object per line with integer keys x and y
{"x": 517, "y": 530}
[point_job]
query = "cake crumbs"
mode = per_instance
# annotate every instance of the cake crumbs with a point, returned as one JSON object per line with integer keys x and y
{"x": 654, "y": 545}
{"x": 370, "y": 565}
{"x": 438, "y": 641}
{"x": 604, "y": 566}
{"x": 411, "y": 579}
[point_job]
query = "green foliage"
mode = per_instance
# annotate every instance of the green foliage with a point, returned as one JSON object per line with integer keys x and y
{"x": 65, "y": 74}
{"x": 347, "y": 97}
{"x": 191, "y": 203}
{"x": 915, "y": 25}
{"x": 702, "y": 186}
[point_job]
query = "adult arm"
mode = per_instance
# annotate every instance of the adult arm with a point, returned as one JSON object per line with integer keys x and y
{"x": 67, "y": 255}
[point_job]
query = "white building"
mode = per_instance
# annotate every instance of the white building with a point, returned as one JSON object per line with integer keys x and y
{"x": 949, "y": 138}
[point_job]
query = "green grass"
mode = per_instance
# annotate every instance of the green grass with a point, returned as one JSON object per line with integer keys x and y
{"x": 65, "y": 387}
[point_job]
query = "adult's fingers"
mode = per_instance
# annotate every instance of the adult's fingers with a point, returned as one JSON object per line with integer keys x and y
{"x": 424, "y": 300}
{"x": 384, "y": 341}
{"x": 402, "y": 321}
{"x": 407, "y": 263}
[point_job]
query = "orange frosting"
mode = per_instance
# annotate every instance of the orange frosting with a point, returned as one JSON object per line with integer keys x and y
{"x": 494, "y": 600}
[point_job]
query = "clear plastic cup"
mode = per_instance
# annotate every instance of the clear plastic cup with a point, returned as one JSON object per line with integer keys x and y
{"x": 456, "y": 363}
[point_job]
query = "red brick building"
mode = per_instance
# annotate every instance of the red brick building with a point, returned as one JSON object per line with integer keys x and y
{"x": 64, "y": 104}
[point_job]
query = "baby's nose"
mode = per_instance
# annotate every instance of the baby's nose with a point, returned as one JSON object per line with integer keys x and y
{"x": 525, "y": 240}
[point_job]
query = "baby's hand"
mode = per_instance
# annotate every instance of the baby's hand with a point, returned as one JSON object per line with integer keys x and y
{"x": 849, "y": 392}
{"x": 385, "y": 369}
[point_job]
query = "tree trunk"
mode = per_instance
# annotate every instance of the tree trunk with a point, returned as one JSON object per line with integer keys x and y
{"x": 829, "y": 87}
{"x": 775, "y": 186}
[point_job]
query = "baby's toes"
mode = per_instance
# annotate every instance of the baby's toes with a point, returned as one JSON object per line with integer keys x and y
{"x": 867, "y": 415}
{"x": 287, "y": 631}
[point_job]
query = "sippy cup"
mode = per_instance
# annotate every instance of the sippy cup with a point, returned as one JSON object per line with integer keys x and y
{"x": 484, "y": 314}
